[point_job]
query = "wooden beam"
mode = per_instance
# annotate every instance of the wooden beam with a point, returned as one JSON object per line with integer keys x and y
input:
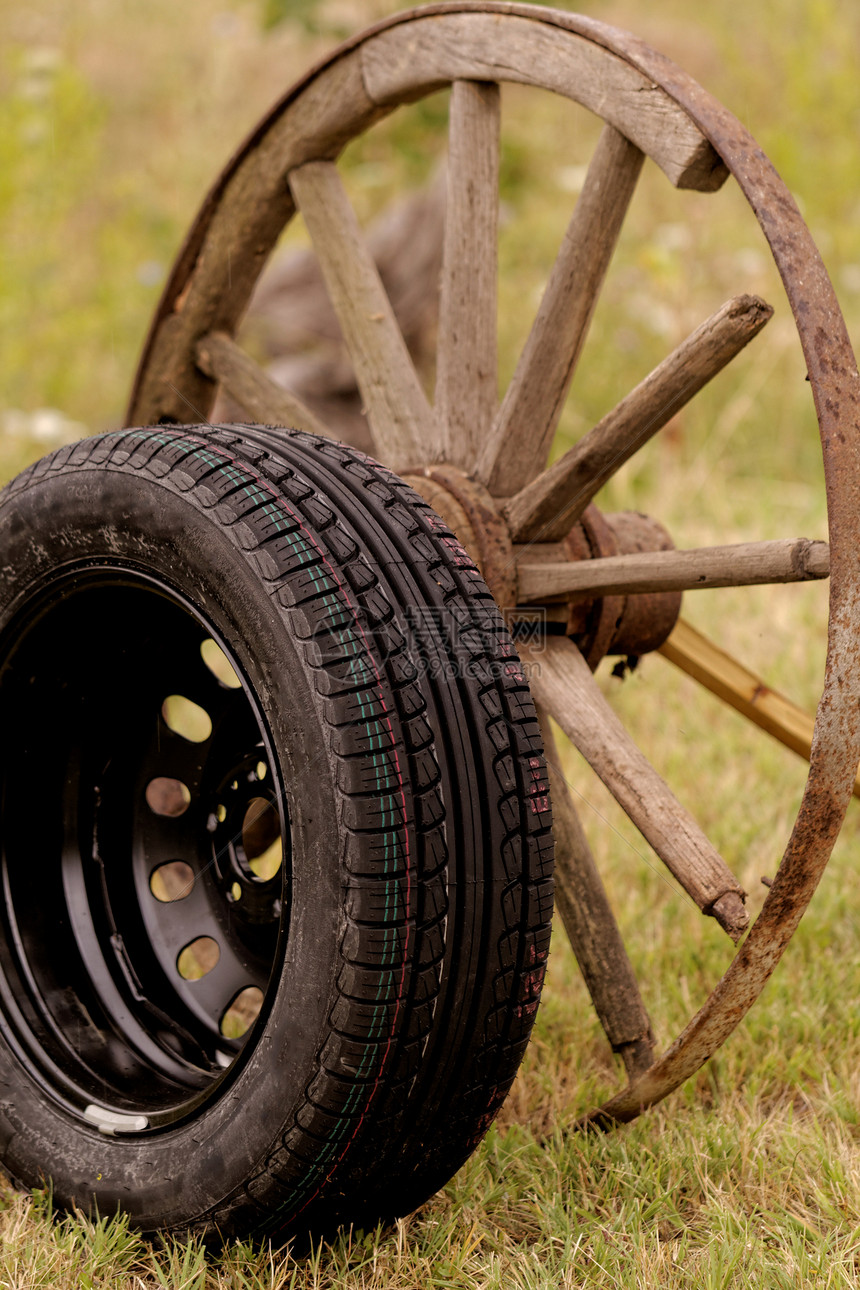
{"x": 742, "y": 689}
{"x": 561, "y": 52}
{"x": 403, "y": 427}
{"x": 581, "y": 900}
{"x": 561, "y": 682}
{"x": 546, "y": 508}
{"x": 263, "y": 399}
{"x": 523, "y": 431}
{"x": 745, "y": 564}
{"x": 466, "y": 352}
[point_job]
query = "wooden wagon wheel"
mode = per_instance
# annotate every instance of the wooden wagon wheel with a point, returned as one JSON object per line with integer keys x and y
{"x": 533, "y": 530}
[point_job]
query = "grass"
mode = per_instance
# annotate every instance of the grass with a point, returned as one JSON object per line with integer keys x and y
{"x": 112, "y": 129}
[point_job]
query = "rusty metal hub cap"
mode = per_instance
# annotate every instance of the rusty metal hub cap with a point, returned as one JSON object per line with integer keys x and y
{"x": 628, "y": 625}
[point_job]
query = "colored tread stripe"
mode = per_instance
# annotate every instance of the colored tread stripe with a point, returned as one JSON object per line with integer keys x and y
{"x": 253, "y": 485}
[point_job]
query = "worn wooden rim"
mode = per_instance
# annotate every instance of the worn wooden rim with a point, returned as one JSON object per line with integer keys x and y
{"x": 836, "y": 389}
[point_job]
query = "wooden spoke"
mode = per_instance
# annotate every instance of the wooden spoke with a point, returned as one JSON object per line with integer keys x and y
{"x": 403, "y": 426}
{"x": 466, "y": 353}
{"x": 736, "y": 685}
{"x": 561, "y": 682}
{"x": 745, "y": 564}
{"x": 245, "y": 381}
{"x": 518, "y": 446}
{"x": 581, "y": 899}
{"x": 546, "y": 508}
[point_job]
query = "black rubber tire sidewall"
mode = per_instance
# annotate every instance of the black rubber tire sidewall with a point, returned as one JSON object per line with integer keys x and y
{"x": 251, "y": 1160}
{"x": 82, "y": 516}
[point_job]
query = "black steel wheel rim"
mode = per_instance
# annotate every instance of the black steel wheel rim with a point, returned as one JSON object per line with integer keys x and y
{"x": 145, "y": 849}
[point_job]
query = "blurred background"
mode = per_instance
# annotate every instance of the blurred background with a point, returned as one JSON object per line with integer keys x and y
{"x": 116, "y": 118}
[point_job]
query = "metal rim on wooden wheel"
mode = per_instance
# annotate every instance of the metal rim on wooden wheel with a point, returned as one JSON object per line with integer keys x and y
{"x": 488, "y": 478}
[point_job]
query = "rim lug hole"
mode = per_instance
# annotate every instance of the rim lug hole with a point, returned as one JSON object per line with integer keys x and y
{"x": 198, "y": 958}
{"x": 235, "y": 893}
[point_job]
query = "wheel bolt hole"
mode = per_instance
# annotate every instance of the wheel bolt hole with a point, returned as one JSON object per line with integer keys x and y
{"x": 261, "y": 839}
{"x": 236, "y": 891}
{"x": 221, "y": 813}
{"x": 219, "y": 665}
{"x": 186, "y": 718}
{"x": 167, "y": 796}
{"x": 242, "y": 1013}
{"x": 261, "y": 769}
{"x": 172, "y": 881}
{"x": 198, "y": 958}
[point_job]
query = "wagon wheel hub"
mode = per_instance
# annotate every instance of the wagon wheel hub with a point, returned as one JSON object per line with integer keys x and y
{"x": 600, "y": 624}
